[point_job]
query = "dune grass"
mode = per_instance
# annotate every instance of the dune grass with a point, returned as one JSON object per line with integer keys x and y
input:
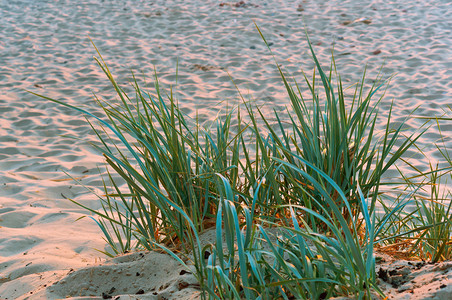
{"x": 294, "y": 210}
{"x": 425, "y": 231}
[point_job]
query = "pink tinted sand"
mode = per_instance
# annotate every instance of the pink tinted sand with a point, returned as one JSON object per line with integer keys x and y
{"x": 45, "y": 48}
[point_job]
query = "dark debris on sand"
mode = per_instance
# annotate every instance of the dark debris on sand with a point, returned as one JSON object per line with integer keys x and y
{"x": 239, "y": 4}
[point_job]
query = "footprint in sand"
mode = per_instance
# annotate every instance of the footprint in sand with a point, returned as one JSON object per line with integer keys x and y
{"x": 10, "y": 189}
{"x": 50, "y": 217}
{"x": 15, "y": 219}
{"x": 18, "y": 244}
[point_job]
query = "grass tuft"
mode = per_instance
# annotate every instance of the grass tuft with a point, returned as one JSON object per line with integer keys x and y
{"x": 292, "y": 201}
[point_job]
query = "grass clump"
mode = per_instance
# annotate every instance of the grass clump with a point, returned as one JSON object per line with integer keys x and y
{"x": 425, "y": 231}
{"x": 294, "y": 211}
{"x": 434, "y": 242}
{"x": 335, "y": 135}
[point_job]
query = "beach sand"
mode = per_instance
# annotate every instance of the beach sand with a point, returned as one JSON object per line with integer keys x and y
{"x": 45, "y": 48}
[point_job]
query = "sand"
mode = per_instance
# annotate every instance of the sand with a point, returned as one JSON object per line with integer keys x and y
{"x": 44, "y": 48}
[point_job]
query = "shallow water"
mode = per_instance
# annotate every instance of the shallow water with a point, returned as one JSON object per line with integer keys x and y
{"x": 45, "y": 48}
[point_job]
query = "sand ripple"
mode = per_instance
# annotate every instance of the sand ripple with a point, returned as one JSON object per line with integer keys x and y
{"x": 44, "y": 48}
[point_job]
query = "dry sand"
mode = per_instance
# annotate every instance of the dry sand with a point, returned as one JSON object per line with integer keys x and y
{"x": 44, "y": 47}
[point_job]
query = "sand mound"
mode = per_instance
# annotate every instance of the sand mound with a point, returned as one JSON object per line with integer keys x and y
{"x": 138, "y": 275}
{"x": 151, "y": 275}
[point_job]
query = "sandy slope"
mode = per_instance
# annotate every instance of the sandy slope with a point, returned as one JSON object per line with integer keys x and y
{"x": 151, "y": 275}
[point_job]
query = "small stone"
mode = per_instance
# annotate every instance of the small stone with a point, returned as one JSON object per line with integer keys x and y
{"x": 106, "y": 296}
{"x": 182, "y": 285}
{"x": 376, "y": 52}
{"x": 183, "y": 272}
